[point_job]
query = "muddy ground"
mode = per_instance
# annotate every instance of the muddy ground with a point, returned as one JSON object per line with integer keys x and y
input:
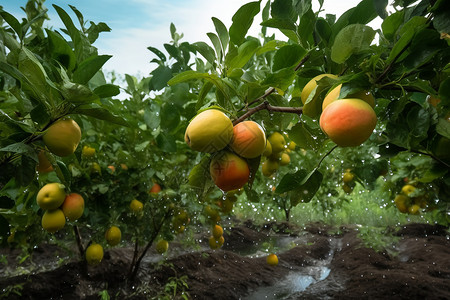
{"x": 315, "y": 262}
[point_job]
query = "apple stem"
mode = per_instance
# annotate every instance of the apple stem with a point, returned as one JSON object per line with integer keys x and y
{"x": 265, "y": 105}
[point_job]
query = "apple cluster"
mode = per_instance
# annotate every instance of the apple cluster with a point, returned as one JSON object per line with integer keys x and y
{"x": 276, "y": 154}
{"x": 212, "y": 131}
{"x": 348, "y": 122}
{"x": 58, "y": 206}
{"x": 406, "y": 202}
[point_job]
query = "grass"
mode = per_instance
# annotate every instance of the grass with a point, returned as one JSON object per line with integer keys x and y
{"x": 372, "y": 211}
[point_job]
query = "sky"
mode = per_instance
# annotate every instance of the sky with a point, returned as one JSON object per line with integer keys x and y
{"x": 137, "y": 24}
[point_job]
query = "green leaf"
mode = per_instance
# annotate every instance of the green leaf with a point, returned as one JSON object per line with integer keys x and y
{"x": 282, "y": 9}
{"x": 98, "y": 112}
{"x": 77, "y": 93}
{"x": 391, "y": 24}
{"x": 443, "y": 128}
{"x": 160, "y": 76}
{"x": 216, "y": 43}
{"x": 60, "y": 50}
{"x": 170, "y": 117}
{"x": 380, "y": 7}
{"x": 206, "y": 51}
{"x": 406, "y": 34}
{"x": 323, "y": 29}
{"x": 32, "y": 69}
{"x": 253, "y": 165}
{"x": 306, "y": 28}
{"x": 186, "y": 76}
{"x": 21, "y": 148}
{"x": 199, "y": 172}
{"x": 436, "y": 171}
{"x": 425, "y": 44}
{"x": 202, "y": 94}
{"x": 245, "y": 52}
{"x": 63, "y": 173}
{"x": 363, "y": 13}
{"x": 95, "y": 29}
{"x": 158, "y": 53}
{"x": 166, "y": 142}
{"x": 242, "y": 20}
{"x": 281, "y": 79}
{"x": 280, "y": 24}
{"x": 350, "y": 40}
{"x": 441, "y": 19}
{"x": 306, "y": 191}
{"x": 287, "y": 57}
{"x": 222, "y": 32}
{"x": 300, "y": 181}
{"x": 152, "y": 116}
{"x": 13, "y": 22}
{"x": 89, "y": 67}
{"x": 107, "y": 90}
{"x": 444, "y": 91}
{"x": 73, "y": 32}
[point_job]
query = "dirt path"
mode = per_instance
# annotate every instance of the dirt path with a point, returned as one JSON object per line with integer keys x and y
{"x": 321, "y": 266}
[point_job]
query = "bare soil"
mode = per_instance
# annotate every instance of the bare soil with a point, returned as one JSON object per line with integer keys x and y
{"x": 417, "y": 268}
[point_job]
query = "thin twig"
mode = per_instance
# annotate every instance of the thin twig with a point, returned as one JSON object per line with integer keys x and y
{"x": 78, "y": 239}
{"x": 265, "y": 105}
{"x": 432, "y": 156}
{"x": 135, "y": 265}
{"x": 266, "y": 94}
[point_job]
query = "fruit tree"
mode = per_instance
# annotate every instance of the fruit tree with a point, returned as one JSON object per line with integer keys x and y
{"x": 326, "y": 106}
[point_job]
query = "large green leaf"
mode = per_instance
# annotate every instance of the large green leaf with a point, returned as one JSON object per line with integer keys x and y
{"x": 391, "y": 24}
{"x": 280, "y": 24}
{"x": 61, "y": 50}
{"x": 242, "y": 20}
{"x": 160, "y": 76}
{"x": 245, "y": 52}
{"x": 107, "y": 90}
{"x": 283, "y": 9}
{"x": 303, "y": 184}
{"x": 222, "y": 32}
{"x": 281, "y": 79}
{"x": 406, "y": 34}
{"x": 74, "y": 33}
{"x": 13, "y": 22}
{"x": 199, "y": 177}
{"x": 206, "y": 51}
{"x": 216, "y": 43}
{"x": 424, "y": 46}
{"x": 89, "y": 67}
{"x": 288, "y": 56}
{"x": 306, "y": 28}
{"x": 77, "y": 93}
{"x": 350, "y": 40}
{"x": 323, "y": 29}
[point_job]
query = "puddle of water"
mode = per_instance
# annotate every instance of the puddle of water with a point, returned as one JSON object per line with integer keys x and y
{"x": 293, "y": 283}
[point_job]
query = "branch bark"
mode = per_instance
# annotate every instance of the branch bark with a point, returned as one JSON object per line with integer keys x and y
{"x": 265, "y": 105}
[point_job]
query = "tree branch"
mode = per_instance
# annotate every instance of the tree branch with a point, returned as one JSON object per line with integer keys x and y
{"x": 265, "y": 105}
